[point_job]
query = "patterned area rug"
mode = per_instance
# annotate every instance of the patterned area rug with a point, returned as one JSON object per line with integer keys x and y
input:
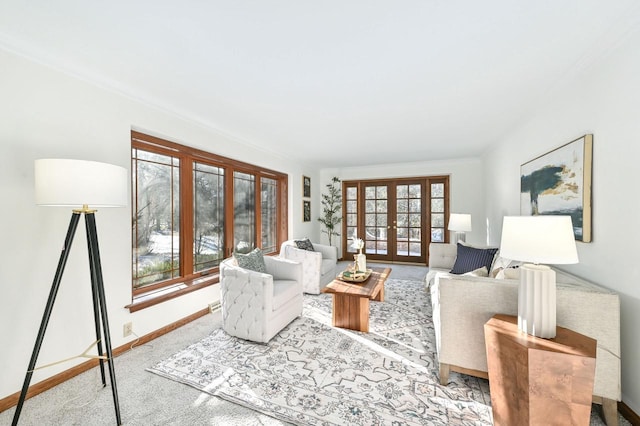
{"x": 315, "y": 374}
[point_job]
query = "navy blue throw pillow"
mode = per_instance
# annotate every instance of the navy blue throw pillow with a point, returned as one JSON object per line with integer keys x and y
{"x": 471, "y": 258}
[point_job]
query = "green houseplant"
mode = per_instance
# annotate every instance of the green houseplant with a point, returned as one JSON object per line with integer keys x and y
{"x": 331, "y": 205}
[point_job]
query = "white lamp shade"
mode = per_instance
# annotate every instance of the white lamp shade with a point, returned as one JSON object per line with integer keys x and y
{"x": 539, "y": 239}
{"x": 74, "y": 183}
{"x": 460, "y": 222}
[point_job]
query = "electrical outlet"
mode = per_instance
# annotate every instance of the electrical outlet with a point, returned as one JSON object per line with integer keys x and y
{"x": 214, "y": 306}
{"x": 127, "y": 329}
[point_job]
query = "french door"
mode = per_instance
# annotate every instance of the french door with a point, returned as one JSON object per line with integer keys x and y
{"x": 397, "y": 219}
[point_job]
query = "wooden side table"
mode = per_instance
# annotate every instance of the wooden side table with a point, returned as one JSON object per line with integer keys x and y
{"x": 536, "y": 381}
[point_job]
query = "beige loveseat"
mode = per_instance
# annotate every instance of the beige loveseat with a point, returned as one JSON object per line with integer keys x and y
{"x": 463, "y": 304}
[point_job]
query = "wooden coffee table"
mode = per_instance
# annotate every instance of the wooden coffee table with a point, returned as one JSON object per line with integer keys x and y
{"x": 351, "y": 300}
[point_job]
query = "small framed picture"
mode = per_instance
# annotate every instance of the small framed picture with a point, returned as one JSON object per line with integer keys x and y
{"x": 306, "y": 211}
{"x": 306, "y": 186}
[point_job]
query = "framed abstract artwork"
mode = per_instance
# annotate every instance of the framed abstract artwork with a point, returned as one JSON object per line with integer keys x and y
{"x": 306, "y": 211}
{"x": 559, "y": 183}
{"x": 306, "y": 186}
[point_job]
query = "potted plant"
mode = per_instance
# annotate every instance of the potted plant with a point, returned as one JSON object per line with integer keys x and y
{"x": 331, "y": 205}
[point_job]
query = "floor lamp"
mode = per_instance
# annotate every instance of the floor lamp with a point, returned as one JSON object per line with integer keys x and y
{"x": 77, "y": 183}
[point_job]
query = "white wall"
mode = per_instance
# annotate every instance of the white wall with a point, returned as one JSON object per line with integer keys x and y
{"x": 465, "y": 183}
{"x": 603, "y": 100}
{"x": 298, "y": 228}
{"x": 47, "y": 114}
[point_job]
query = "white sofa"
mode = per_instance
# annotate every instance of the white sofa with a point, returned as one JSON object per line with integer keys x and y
{"x": 462, "y": 304}
{"x": 318, "y": 266}
{"x": 256, "y": 305}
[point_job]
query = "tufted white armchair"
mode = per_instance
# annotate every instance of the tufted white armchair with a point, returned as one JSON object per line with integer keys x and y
{"x": 318, "y": 267}
{"x": 255, "y": 305}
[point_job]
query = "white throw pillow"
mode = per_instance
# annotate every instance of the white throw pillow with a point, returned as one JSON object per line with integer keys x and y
{"x": 512, "y": 273}
{"x": 480, "y": 272}
{"x": 500, "y": 262}
{"x": 508, "y": 274}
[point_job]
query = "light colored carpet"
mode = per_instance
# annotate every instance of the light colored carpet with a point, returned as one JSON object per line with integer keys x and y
{"x": 149, "y": 399}
{"x": 315, "y": 374}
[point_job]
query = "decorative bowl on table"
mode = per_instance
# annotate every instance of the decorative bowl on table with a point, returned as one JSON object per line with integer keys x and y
{"x": 354, "y": 276}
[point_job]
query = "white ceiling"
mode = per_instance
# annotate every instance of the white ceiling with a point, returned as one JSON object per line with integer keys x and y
{"x": 328, "y": 81}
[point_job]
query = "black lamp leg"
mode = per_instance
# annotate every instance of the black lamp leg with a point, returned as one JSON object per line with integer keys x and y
{"x": 99, "y": 309}
{"x": 94, "y": 258}
{"x": 64, "y": 255}
{"x": 96, "y": 305}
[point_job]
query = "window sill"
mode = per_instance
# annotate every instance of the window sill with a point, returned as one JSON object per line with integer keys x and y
{"x": 154, "y": 297}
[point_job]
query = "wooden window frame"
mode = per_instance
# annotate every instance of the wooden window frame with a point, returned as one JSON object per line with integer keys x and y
{"x": 188, "y": 280}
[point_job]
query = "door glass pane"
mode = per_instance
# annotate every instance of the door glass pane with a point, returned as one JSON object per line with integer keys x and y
{"x": 437, "y": 205}
{"x": 402, "y": 247}
{"x": 414, "y": 221}
{"x": 437, "y": 190}
{"x": 244, "y": 212}
{"x": 414, "y": 248}
{"x": 370, "y": 220}
{"x": 352, "y": 193}
{"x": 437, "y": 213}
{"x": 376, "y": 205}
{"x": 351, "y": 216}
{"x": 269, "y": 211}
{"x": 408, "y": 220}
{"x": 402, "y": 233}
{"x": 437, "y": 220}
{"x": 208, "y": 216}
{"x": 370, "y": 193}
{"x": 371, "y": 233}
{"x": 156, "y": 221}
{"x": 370, "y": 206}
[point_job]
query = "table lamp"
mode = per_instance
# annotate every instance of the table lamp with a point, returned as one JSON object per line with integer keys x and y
{"x": 81, "y": 185}
{"x": 538, "y": 240}
{"x": 459, "y": 223}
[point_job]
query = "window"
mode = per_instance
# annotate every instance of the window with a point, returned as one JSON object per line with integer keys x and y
{"x": 191, "y": 209}
{"x": 244, "y": 212}
{"x": 208, "y": 216}
{"x": 269, "y": 203}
